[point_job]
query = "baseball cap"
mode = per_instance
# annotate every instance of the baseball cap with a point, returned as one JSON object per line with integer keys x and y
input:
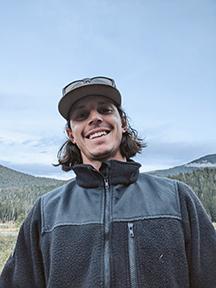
{"x": 78, "y": 89}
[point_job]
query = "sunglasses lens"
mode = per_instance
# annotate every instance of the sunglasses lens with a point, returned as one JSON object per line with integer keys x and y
{"x": 87, "y": 81}
{"x": 102, "y": 80}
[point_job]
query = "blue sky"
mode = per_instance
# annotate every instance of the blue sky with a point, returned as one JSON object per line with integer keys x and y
{"x": 162, "y": 55}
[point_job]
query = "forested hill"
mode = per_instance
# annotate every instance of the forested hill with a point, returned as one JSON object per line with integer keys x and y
{"x": 203, "y": 182}
{"x": 207, "y": 161}
{"x": 18, "y": 192}
{"x": 10, "y": 177}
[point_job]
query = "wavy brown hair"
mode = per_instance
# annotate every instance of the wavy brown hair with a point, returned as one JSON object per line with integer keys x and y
{"x": 69, "y": 154}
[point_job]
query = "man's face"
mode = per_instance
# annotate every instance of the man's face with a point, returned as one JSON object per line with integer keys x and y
{"x": 96, "y": 128}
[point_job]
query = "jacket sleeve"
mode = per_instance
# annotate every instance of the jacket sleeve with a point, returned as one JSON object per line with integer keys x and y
{"x": 200, "y": 238}
{"x": 25, "y": 267}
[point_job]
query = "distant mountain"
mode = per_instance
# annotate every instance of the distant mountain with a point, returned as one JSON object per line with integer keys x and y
{"x": 19, "y": 191}
{"x": 10, "y": 178}
{"x": 208, "y": 161}
{"x": 200, "y": 175}
{"x": 203, "y": 183}
{"x": 203, "y": 162}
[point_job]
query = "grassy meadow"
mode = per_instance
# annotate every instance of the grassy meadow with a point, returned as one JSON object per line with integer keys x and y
{"x": 8, "y": 235}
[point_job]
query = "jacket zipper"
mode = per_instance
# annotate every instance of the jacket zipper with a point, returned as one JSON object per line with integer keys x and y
{"x": 107, "y": 234}
{"x": 132, "y": 258}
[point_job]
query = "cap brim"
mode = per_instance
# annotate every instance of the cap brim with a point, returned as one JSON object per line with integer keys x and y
{"x": 67, "y": 101}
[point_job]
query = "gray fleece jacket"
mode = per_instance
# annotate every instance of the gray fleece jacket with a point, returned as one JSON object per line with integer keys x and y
{"x": 115, "y": 228}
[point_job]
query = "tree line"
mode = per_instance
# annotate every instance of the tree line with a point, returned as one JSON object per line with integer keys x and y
{"x": 18, "y": 192}
{"x": 203, "y": 183}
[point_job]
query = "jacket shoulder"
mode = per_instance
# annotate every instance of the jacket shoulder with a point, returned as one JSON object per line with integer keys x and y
{"x": 152, "y": 197}
{"x": 58, "y": 192}
{"x": 169, "y": 187}
{"x": 158, "y": 180}
{"x": 162, "y": 186}
{"x": 53, "y": 203}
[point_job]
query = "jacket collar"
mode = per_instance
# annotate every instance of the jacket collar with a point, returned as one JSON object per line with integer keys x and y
{"x": 117, "y": 172}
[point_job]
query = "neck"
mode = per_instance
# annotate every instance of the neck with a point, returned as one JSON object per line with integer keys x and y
{"x": 97, "y": 163}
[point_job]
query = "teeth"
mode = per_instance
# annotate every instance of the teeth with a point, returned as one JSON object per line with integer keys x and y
{"x": 98, "y": 134}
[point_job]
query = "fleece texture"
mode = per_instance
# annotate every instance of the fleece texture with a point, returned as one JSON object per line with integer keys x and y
{"x": 78, "y": 235}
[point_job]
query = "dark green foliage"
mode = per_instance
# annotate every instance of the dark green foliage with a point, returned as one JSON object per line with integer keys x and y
{"x": 203, "y": 182}
{"x": 19, "y": 191}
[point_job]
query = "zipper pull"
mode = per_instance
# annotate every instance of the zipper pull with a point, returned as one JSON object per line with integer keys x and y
{"x": 131, "y": 231}
{"x": 106, "y": 182}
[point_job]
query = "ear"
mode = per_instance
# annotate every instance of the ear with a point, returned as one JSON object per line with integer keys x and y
{"x": 124, "y": 125}
{"x": 70, "y": 135}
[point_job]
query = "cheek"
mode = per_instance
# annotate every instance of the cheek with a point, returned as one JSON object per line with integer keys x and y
{"x": 120, "y": 125}
{"x": 74, "y": 133}
{"x": 75, "y": 138}
{"x": 69, "y": 133}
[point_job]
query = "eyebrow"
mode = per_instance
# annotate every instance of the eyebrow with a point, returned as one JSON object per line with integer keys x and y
{"x": 79, "y": 107}
{"x": 84, "y": 106}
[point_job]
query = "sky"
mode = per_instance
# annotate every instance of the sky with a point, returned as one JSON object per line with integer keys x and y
{"x": 162, "y": 55}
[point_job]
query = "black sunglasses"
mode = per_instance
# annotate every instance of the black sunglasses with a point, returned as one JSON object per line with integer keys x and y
{"x": 86, "y": 81}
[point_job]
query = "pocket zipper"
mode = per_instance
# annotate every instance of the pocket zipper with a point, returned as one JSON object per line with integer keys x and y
{"x": 132, "y": 257}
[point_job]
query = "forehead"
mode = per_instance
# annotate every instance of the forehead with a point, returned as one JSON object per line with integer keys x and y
{"x": 91, "y": 101}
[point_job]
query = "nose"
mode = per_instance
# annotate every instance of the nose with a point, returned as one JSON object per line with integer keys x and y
{"x": 95, "y": 117}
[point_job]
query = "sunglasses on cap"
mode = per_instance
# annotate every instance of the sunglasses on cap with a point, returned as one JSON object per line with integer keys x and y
{"x": 76, "y": 90}
{"x": 86, "y": 81}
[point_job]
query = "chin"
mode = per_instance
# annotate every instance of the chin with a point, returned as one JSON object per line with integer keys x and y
{"x": 105, "y": 155}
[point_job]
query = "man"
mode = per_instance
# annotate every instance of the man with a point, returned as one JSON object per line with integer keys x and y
{"x": 111, "y": 226}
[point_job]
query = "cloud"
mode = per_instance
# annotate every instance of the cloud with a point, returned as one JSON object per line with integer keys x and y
{"x": 30, "y": 150}
{"x": 37, "y": 169}
{"x": 24, "y": 148}
{"x": 159, "y": 155}
{"x": 28, "y": 139}
{"x": 169, "y": 154}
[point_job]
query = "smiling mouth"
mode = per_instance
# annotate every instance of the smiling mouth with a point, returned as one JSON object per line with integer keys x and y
{"x": 98, "y": 134}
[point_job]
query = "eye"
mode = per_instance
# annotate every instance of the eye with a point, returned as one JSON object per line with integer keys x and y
{"x": 105, "y": 110}
{"x": 80, "y": 115}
